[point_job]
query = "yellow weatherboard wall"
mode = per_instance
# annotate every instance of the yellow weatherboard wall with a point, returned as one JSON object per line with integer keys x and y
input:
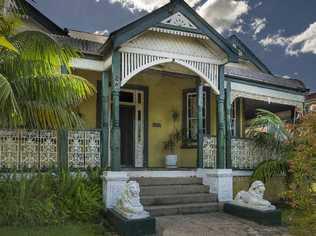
{"x": 88, "y": 108}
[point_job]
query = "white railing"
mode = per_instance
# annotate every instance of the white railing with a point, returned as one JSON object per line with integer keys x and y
{"x": 84, "y": 149}
{"x": 26, "y": 149}
{"x": 245, "y": 154}
{"x": 39, "y": 149}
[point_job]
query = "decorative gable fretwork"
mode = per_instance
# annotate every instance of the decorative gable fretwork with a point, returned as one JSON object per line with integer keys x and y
{"x": 178, "y": 19}
{"x": 179, "y": 33}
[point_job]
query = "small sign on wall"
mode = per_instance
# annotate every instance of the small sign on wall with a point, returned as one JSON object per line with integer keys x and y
{"x": 156, "y": 125}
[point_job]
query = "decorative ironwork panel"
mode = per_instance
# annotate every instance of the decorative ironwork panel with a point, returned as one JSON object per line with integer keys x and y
{"x": 247, "y": 155}
{"x": 92, "y": 149}
{"x": 76, "y": 149}
{"x": 48, "y": 149}
{"x": 9, "y": 149}
{"x": 29, "y": 157}
{"x": 84, "y": 149}
{"x": 209, "y": 152}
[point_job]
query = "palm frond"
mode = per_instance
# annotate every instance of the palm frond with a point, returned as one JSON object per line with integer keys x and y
{"x": 46, "y": 116}
{"x": 65, "y": 90}
{"x": 268, "y": 129}
{"x": 7, "y": 97}
{"x": 6, "y": 44}
{"x": 270, "y": 168}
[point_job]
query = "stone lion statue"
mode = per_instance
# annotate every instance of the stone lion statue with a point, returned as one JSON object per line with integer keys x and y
{"x": 253, "y": 198}
{"x": 128, "y": 204}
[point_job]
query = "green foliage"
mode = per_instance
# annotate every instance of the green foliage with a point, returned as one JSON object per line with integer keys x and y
{"x": 268, "y": 130}
{"x": 49, "y": 198}
{"x": 33, "y": 91}
{"x": 302, "y": 165}
{"x": 269, "y": 168}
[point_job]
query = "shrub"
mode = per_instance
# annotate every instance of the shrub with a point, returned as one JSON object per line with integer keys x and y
{"x": 49, "y": 198}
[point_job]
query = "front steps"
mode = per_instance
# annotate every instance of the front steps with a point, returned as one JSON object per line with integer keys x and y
{"x": 174, "y": 196}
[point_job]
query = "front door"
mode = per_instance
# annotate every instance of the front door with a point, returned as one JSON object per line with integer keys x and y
{"x": 127, "y": 117}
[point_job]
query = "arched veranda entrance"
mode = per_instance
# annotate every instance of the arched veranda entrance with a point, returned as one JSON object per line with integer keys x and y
{"x": 148, "y": 98}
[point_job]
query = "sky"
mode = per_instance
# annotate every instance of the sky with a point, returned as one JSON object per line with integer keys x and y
{"x": 282, "y": 33}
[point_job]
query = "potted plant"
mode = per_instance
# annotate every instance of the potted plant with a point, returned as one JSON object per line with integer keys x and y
{"x": 171, "y": 144}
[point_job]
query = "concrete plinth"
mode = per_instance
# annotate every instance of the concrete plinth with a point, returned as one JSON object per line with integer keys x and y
{"x": 127, "y": 227}
{"x": 113, "y": 186}
{"x": 268, "y": 217}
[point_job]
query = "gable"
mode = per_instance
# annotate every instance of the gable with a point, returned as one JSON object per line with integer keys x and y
{"x": 246, "y": 55}
{"x": 176, "y": 16}
{"x": 174, "y": 46}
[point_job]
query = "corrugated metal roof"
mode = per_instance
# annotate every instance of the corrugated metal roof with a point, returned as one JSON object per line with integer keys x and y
{"x": 82, "y": 45}
{"x": 265, "y": 78}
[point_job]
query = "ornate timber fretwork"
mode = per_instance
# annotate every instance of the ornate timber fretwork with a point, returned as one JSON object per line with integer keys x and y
{"x": 133, "y": 63}
{"x": 153, "y": 48}
{"x": 179, "y": 33}
{"x": 266, "y": 98}
{"x": 178, "y": 19}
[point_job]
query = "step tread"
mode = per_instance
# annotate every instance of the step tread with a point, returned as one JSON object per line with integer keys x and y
{"x": 178, "y": 195}
{"x": 187, "y": 205}
{"x": 161, "y": 181}
{"x": 173, "y": 189}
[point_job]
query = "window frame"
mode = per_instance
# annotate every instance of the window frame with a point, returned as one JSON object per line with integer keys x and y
{"x": 187, "y": 143}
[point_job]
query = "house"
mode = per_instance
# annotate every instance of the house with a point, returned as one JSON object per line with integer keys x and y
{"x": 168, "y": 62}
{"x": 310, "y": 103}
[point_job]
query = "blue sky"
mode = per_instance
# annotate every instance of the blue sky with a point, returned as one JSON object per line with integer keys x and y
{"x": 282, "y": 33}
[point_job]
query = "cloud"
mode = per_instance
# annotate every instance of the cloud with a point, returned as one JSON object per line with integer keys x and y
{"x": 147, "y": 5}
{"x": 302, "y": 43}
{"x": 257, "y": 26}
{"x": 221, "y": 14}
{"x": 102, "y": 32}
{"x": 258, "y": 4}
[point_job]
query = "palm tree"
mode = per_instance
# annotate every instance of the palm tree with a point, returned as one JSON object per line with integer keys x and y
{"x": 34, "y": 93}
{"x": 269, "y": 131}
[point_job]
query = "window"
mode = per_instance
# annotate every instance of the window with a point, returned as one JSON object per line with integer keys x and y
{"x": 190, "y": 115}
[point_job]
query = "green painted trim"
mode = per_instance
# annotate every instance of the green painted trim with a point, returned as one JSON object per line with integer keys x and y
{"x": 221, "y": 121}
{"x": 238, "y": 117}
{"x": 228, "y": 126}
{"x": 262, "y": 84}
{"x": 137, "y": 27}
{"x": 104, "y": 105}
{"x": 200, "y": 134}
{"x": 62, "y": 144}
{"x": 249, "y": 54}
{"x": 116, "y": 131}
{"x": 145, "y": 90}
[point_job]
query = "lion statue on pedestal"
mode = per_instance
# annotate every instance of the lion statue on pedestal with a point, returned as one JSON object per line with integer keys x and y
{"x": 128, "y": 205}
{"x": 253, "y": 198}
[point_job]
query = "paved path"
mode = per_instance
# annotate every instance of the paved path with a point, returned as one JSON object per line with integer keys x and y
{"x": 213, "y": 224}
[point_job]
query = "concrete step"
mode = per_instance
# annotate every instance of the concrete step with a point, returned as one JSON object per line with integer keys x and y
{"x": 181, "y": 209}
{"x": 172, "y": 189}
{"x": 178, "y": 199}
{"x": 157, "y": 181}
